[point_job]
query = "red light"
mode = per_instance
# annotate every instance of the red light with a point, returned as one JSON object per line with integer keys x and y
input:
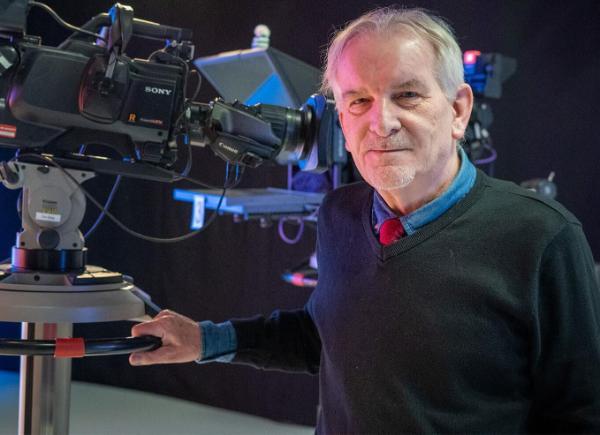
{"x": 470, "y": 57}
{"x": 297, "y": 279}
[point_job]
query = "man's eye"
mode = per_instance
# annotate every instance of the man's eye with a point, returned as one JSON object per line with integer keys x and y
{"x": 358, "y": 106}
{"x": 358, "y": 102}
{"x": 407, "y": 95}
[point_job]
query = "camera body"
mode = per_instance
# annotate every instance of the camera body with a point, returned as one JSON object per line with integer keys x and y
{"x": 87, "y": 91}
{"x": 54, "y": 100}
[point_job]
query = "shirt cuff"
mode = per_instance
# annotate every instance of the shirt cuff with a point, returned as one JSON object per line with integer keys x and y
{"x": 219, "y": 342}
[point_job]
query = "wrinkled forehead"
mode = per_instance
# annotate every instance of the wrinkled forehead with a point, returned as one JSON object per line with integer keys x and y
{"x": 367, "y": 59}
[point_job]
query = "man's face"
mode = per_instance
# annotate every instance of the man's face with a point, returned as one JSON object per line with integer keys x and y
{"x": 398, "y": 124}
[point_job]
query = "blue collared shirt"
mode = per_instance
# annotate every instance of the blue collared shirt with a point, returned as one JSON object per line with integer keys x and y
{"x": 219, "y": 341}
{"x": 458, "y": 189}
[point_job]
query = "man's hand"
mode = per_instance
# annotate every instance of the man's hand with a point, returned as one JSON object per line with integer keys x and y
{"x": 181, "y": 339}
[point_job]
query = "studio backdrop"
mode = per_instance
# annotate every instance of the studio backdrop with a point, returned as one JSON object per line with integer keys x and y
{"x": 546, "y": 121}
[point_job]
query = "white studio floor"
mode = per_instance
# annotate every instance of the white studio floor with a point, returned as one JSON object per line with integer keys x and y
{"x": 99, "y": 409}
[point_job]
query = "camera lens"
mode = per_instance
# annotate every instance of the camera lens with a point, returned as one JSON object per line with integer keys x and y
{"x": 293, "y": 127}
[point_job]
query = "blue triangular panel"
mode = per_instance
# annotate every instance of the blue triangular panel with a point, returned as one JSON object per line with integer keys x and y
{"x": 271, "y": 91}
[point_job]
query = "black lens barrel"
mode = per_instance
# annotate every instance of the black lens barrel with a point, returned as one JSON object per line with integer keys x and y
{"x": 291, "y": 125}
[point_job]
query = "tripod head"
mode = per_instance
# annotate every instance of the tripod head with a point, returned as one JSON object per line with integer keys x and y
{"x": 52, "y": 208}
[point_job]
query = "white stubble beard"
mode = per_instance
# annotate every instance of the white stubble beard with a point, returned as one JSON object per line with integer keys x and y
{"x": 391, "y": 177}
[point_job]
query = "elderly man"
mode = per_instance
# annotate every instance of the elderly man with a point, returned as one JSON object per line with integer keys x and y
{"x": 448, "y": 301}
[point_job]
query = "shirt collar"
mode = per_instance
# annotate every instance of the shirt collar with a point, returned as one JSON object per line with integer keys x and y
{"x": 458, "y": 189}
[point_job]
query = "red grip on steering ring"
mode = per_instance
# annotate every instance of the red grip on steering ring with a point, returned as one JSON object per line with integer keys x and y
{"x": 69, "y": 348}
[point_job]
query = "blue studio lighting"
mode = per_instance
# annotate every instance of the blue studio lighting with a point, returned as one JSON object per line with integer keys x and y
{"x": 476, "y": 73}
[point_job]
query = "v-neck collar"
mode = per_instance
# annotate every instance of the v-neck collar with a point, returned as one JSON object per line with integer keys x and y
{"x": 386, "y": 252}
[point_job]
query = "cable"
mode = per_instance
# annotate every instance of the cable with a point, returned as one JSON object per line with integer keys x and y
{"x": 198, "y": 85}
{"x": 107, "y": 204}
{"x": 282, "y": 234}
{"x": 63, "y": 23}
{"x": 122, "y": 225}
{"x": 169, "y": 172}
{"x": 176, "y": 59}
{"x": 186, "y": 137}
{"x": 202, "y": 183}
{"x": 181, "y": 116}
{"x": 188, "y": 166}
{"x": 493, "y": 155}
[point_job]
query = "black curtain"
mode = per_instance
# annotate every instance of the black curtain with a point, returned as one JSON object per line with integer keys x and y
{"x": 546, "y": 120}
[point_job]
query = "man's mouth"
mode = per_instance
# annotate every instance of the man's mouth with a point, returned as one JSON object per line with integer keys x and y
{"x": 388, "y": 150}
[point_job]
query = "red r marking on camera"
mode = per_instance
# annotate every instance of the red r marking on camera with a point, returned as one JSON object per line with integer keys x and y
{"x": 8, "y": 131}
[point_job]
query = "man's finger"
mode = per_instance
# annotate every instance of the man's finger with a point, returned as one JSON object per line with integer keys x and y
{"x": 162, "y": 355}
{"x": 148, "y": 328}
{"x": 163, "y": 313}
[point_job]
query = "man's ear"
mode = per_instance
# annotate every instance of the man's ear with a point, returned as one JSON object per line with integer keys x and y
{"x": 462, "y": 107}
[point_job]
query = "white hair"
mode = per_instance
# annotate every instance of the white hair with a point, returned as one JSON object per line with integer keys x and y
{"x": 430, "y": 28}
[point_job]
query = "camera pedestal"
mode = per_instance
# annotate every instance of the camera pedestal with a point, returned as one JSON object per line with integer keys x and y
{"x": 48, "y": 288}
{"x": 48, "y": 304}
{"x": 45, "y": 384}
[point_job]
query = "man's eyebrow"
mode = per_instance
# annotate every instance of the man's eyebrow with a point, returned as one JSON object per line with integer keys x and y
{"x": 351, "y": 93}
{"x": 412, "y": 83}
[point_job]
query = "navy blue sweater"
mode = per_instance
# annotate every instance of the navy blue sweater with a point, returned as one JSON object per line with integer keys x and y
{"x": 485, "y": 320}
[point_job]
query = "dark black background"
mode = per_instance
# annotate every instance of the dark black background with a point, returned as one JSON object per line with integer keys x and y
{"x": 547, "y": 120}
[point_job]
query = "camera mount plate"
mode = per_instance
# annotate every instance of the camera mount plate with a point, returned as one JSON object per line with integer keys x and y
{"x": 39, "y": 297}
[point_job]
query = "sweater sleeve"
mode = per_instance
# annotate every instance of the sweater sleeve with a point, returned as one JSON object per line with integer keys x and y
{"x": 287, "y": 340}
{"x": 566, "y": 352}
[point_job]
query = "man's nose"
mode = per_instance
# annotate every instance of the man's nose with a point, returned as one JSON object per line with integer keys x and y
{"x": 384, "y": 119}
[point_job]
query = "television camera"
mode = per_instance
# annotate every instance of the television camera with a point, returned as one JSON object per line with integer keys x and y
{"x": 86, "y": 91}
{"x": 55, "y": 102}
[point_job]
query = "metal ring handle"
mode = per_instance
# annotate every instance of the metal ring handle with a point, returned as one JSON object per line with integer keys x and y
{"x": 92, "y": 347}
